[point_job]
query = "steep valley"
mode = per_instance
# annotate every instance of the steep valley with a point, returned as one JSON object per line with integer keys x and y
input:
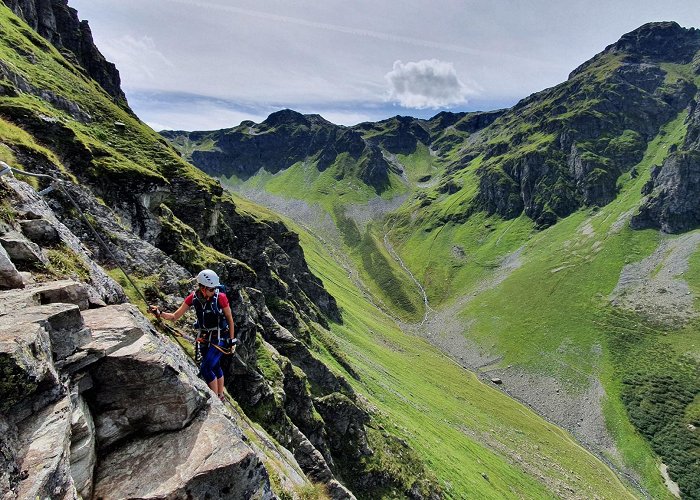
{"x": 525, "y": 227}
{"x": 481, "y": 305}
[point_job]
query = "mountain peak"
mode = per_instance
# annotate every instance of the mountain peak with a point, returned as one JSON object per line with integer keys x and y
{"x": 285, "y": 116}
{"x": 666, "y": 41}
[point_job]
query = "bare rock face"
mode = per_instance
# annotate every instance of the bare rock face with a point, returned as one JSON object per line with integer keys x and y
{"x": 21, "y": 250}
{"x": 25, "y": 360}
{"x": 204, "y": 460}
{"x": 44, "y": 460}
{"x": 30, "y": 206}
{"x": 40, "y": 231}
{"x": 9, "y": 275}
{"x": 64, "y": 410}
{"x": 83, "y": 456}
{"x": 672, "y": 205}
{"x": 145, "y": 386}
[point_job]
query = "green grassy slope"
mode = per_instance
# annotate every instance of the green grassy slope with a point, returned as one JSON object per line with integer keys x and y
{"x": 333, "y": 193}
{"x": 477, "y": 441}
{"x": 551, "y": 314}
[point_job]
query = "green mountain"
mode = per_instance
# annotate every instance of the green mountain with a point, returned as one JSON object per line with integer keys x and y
{"x": 330, "y": 397}
{"x": 524, "y": 243}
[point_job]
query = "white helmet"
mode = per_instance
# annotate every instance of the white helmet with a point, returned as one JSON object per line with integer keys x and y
{"x": 208, "y": 278}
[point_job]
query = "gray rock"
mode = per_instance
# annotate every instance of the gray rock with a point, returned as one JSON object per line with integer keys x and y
{"x": 27, "y": 278}
{"x": 9, "y": 276}
{"x": 54, "y": 292}
{"x": 22, "y": 251}
{"x": 63, "y": 322}
{"x": 44, "y": 453}
{"x": 145, "y": 386}
{"x": 40, "y": 231}
{"x": 34, "y": 206}
{"x": 26, "y": 364}
{"x": 203, "y": 460}
{"x": 672, "y": 205}
{"x": 309, "y": 458}
{"x": 345, "y": 423}
{"x": 9, "y": 468}
{"x": 83, "y": 456}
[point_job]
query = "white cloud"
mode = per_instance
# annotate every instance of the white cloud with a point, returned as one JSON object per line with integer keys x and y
{"x": 429, "y": 83}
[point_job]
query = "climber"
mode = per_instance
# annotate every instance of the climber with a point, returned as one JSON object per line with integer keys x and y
{"x": 214, "y": 319}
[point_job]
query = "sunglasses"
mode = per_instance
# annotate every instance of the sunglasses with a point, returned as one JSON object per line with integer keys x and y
{"x": 208, "y": 289}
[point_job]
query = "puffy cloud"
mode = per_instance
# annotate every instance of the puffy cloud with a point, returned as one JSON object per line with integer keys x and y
{"x": 429, "y": 83}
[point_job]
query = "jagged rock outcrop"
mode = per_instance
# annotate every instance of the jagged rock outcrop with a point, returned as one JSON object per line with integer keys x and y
{"x": 143, "y": 373}
{"x": 662, "y": 41}
{"x": 283, "y": 139}
{"x": 672, "y": 204}
{"x": 564, "y": 148}
{"x": 59, "y": 24}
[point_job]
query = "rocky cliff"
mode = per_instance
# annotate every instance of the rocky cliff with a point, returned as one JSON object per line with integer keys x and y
{"x": 90, "y": 390}
{"x": 162, "y": 221}
{"x": 287, "y": 137}
{"x": 565, "y": 147}
{"x": 59, "y": 24}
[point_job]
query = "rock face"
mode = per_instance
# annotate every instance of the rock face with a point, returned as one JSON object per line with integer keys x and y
{"x": 665, "y": 41}
{"x": 286, "y": 138}
{"x": 576, "y": 146}
{"x": 672, "y": 204}
{"x": 59, "y": 24}
{"x": 124, "y": 394}
{"x": 175, "y": 431}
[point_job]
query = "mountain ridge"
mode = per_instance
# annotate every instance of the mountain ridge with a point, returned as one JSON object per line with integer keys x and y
{"x": 362, "y": 408}
{"x": 620, "y": 132}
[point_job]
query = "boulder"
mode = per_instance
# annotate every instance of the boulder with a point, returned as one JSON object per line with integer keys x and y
{"x": 146, "y": 385}
{"x": 55, "y": 307}
{"x": 65, "y": 292}
{"x": 40, "y": 231}
{"x": 9, "y": 276}
{"x": 63, "y": 322}
{"x": 22, "y": 251}
{"x": 206, "y": 459}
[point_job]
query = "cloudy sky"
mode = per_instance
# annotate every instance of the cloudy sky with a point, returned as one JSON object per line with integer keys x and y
{"x": 209, "y": 64}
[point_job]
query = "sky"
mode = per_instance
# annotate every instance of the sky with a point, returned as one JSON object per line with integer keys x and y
{"x": 210, "y": 64}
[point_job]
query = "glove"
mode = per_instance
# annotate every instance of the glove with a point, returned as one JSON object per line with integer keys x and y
{"x": 231, "y": 343}
{"x": 155, "y": 311}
